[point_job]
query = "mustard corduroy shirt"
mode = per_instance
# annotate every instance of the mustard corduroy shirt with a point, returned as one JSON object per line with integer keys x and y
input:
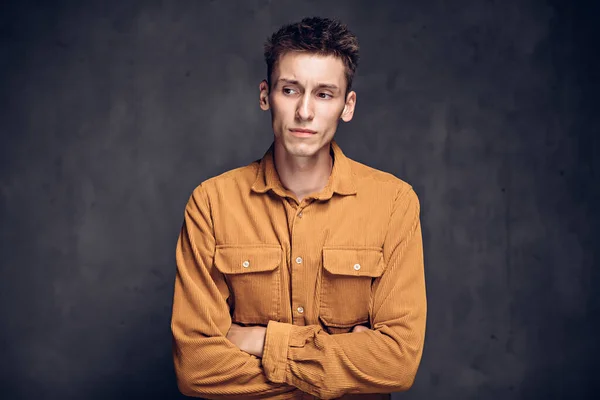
{"x": 350, "y": 254}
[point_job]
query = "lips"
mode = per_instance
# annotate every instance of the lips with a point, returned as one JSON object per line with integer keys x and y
{"x": 303, "y": 131}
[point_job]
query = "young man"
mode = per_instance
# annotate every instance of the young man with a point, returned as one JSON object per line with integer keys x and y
{"x": 300, "y": 275}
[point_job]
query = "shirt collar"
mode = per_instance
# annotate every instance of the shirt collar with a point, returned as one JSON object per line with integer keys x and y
{"x": 340, "y": 180}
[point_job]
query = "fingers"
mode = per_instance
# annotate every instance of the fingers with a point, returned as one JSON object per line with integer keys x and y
{"x": 360, "y": 328}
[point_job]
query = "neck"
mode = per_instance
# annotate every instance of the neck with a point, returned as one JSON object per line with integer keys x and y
{"x": 303, "y": 175}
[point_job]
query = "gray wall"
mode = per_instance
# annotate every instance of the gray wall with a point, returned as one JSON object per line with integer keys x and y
{"x": 112, "y": 112}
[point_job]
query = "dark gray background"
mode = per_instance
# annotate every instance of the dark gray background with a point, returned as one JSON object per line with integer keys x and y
{"x": 112, "y": 112}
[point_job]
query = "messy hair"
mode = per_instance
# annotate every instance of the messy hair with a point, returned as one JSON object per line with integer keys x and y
{"x": 315, "y": 35}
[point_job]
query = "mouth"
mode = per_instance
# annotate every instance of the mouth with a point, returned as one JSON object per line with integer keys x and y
{"x": 302, "y": 132}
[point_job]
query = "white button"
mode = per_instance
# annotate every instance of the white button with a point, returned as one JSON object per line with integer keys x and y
{"x": 246, "y": 264}
{"x": 357, "y": 266}
{"x": 300, "y": 214}
{"x": 300, "y": 310}
{"x": 299, "y": 260}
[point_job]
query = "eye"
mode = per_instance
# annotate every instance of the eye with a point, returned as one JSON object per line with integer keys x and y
{"x": 288, "y": 91}
{"x": 325, "y": 95}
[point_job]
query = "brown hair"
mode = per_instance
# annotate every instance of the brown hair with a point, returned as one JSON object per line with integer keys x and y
{"x": 316, "y": 35}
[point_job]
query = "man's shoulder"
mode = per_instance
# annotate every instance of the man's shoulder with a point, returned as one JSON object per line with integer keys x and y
{"x": 240, "y": 177}
{"x": 367, "y": 177}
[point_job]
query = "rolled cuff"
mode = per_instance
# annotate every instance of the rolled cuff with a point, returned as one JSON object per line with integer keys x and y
{"x": 275, "y": 352}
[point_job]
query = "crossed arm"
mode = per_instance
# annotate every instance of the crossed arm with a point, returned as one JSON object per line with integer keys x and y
{"x": 251, "y": 339}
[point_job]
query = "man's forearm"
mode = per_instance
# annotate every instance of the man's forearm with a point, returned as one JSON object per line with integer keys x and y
{"x": 252, "y": 339}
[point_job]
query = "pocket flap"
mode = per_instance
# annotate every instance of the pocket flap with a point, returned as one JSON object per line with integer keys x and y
{"x": 353, "y": 261}
{"x": 247, "y": 259}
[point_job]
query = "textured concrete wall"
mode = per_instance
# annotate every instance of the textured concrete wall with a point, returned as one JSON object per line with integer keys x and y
{"x": 112, "y": 112}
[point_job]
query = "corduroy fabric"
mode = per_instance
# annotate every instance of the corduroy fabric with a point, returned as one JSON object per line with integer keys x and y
{"x": 250, "y": 253}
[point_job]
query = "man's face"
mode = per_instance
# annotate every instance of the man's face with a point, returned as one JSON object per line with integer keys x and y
{"x": 307, "y": 99}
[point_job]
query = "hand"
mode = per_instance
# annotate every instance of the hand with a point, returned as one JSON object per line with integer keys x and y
{"x": 250, "y": 339}
{"x": 360, "y": 328}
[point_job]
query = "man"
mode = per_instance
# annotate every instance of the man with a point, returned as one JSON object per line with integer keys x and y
{"x": 300, "y": 275}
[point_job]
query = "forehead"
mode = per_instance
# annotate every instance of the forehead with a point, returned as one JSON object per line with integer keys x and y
{"x": 310, "y": 68}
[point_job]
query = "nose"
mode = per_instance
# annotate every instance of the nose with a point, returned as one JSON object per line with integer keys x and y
{"x": 304, "y": 110}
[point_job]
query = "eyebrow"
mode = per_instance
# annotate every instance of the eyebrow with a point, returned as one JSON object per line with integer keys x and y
{"x": 319, "y": 85}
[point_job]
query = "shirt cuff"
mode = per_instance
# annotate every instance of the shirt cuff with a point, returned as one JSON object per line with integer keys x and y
{"x": 275, "y": 352}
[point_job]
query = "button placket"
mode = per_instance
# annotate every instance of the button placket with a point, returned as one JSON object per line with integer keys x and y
{"x": 298, "y": 264}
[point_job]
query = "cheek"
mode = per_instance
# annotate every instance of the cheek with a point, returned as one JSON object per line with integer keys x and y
{"x": 332, "y": 113}
{"x": 282, "y": 111}
{"x": 278, "y": 116}
{"x": 274, "y": 107}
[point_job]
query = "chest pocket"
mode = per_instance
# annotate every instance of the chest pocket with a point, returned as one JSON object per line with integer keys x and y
{"x": 253, "y": 275}
{"x": 346, "y": 285}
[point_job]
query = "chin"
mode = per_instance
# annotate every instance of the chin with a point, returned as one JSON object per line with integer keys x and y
{"x": 300, "y": 149}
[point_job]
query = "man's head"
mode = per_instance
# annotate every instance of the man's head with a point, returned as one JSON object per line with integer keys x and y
{"x": 310, "y": 67}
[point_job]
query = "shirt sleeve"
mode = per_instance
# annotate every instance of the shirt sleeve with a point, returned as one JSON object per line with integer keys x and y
{"x": 382, "y": 360}
{"x": 206, "y": 363}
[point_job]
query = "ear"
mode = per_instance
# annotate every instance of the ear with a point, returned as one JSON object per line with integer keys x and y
{"x": 348, "y": 111}
{"x": 264, "y": 95}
